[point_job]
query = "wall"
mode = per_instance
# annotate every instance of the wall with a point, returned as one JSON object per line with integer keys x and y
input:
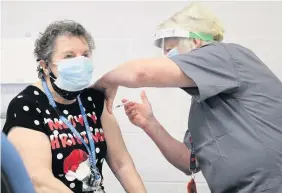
{"x": 123, "y": 31}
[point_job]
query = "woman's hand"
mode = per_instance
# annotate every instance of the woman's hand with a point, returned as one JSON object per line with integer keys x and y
{"x": 139, "y": 114}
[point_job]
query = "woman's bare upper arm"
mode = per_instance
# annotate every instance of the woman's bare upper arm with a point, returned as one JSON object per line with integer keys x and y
{"x": 116, "y": 148}
{"x": 34, "y": 149}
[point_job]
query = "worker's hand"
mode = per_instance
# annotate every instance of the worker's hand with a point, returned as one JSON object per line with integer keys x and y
{"x": 139, "y": 114}
{"x": 109, "y": 91}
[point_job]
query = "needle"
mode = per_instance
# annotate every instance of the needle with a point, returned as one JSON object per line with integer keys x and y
{"x": 122, "y": 104}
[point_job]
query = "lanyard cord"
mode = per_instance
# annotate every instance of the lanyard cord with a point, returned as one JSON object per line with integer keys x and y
{"x": 91, "y": 150}
{"x": 193, "y": 166}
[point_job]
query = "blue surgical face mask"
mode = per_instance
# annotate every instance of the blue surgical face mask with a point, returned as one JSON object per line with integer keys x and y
{"x": 74, "y": 74}
{"x": 173, "y": 52}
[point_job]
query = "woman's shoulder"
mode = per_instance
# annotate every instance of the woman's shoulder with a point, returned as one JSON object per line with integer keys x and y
{"x": 31, "y": 95}
{"x": 93, "y": 95}
{"x": 24, "y": 110}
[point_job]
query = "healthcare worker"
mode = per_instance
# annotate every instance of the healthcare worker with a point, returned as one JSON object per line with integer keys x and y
{"x": 236, "y": 112}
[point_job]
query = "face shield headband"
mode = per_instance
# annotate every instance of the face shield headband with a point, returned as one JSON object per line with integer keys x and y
{"x": 160, "y": 36}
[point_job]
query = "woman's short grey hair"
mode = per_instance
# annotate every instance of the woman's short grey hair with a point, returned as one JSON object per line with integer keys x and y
{"x": 45, "y": 43}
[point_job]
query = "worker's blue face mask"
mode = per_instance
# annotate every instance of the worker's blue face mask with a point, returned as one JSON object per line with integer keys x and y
{"x": 173, "y": 52}
{"x": 74, "y": 75}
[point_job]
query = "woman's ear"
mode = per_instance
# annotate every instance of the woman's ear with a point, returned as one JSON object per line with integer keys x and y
{"x": 44, "y": 67}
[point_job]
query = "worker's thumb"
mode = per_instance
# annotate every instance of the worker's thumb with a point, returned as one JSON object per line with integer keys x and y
{"x": 144, "y": 98}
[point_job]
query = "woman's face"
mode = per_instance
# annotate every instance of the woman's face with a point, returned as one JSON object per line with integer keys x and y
{"x": 67, "y": 47}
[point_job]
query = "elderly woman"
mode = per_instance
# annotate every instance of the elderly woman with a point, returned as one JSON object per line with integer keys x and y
{"x": 60, "y": 128}
{"x": 235, "y": 116}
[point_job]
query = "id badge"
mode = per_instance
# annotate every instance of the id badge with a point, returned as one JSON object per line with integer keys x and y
{"x": 191, "y": 186}
{"x": 92, "y": 183}
{"x": 93, "y": 180}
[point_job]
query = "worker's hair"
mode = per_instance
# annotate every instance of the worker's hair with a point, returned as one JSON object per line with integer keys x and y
{"x": 195, "y": 18}
{"x": 45, "y": 43}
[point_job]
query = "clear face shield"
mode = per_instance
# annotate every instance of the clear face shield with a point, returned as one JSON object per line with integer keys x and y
{"x": 161, "y": 35}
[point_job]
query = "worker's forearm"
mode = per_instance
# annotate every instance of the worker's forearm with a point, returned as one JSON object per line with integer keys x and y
{"x": 124, "y": 75}
{"x": 174, "y": 151}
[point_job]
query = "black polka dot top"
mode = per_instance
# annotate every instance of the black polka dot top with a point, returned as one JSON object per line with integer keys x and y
{"x": 31, "y": 109}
